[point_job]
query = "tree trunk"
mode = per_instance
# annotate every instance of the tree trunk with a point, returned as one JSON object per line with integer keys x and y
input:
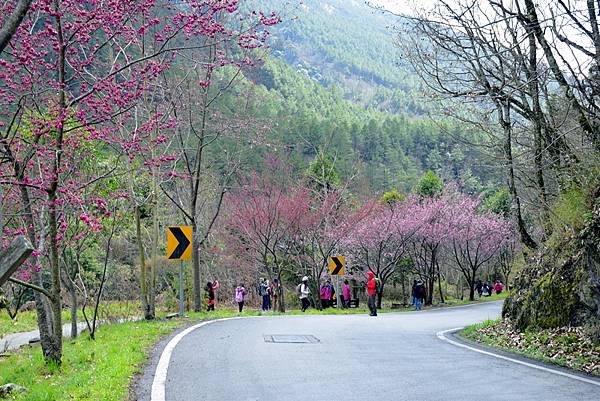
{"x": 380, "y": 295}
{"x": 152, "y": 281}
{"x": 281, "y": 295}
{"x": 42, "y": 305}
{"x": 471, "y": 291}
{"x": 143, "y": 270}
{"x": 55, "y": 354}
{"x": 440, "y": 285}
{"x": 504, "y": 118}
{"x": 12, "y": 23}
{"x": 73, "y": 297}
{"x": 196, "y": 270}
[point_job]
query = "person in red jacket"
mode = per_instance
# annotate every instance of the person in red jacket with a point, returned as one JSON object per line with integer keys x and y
{"x": 372, "y": 293}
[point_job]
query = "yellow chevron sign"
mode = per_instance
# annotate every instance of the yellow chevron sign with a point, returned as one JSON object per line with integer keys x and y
{"x": 179, "y": 243}
{"x": 337, "y": 265}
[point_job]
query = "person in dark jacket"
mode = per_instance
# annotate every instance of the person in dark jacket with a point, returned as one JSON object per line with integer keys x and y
{"x": 414, "y": 285}
{"x": 210, "y": 290}
{"x": 419, "y": 295}
{"x": 263, "y": 291}
{"x": 479, "y": 287}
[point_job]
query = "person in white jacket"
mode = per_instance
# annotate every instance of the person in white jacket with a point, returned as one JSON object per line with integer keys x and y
{"x": 304, "y": 292}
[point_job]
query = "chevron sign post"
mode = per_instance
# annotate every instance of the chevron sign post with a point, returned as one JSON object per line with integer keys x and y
{"x": 337, "y": 265}
{"x": 179, "y": 247}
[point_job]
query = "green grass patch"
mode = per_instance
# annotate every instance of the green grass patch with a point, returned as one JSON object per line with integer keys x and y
{"x": 25, "y": 321}
{"x": 473, "y": 330}
{"x": 91, "y": 370}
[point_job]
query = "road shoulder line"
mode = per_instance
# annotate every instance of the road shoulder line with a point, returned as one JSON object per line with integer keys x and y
{"x": 160, "y": 376}
{"x": 442, "y": 335}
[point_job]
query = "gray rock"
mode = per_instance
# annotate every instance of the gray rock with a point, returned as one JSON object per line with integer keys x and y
{"x": 11, "y": 388}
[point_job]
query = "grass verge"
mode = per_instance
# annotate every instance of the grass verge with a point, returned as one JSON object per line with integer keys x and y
{"x": 566, "y": 346}
{"x": 91, "y": 370}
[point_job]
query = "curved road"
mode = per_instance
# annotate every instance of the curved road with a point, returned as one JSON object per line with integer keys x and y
{"x": 394, "y": 356}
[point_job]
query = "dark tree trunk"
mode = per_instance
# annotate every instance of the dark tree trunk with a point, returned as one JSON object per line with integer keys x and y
{"x": 504, "y": 118}
{"x": 12, "y": 22}
{"x": 143, "y": 269}
{"x": 439, "y": 276}
{"x": 471, "y": 291}
{"x": 196, "y": 270}
{"x": 380, "y": 296}
{"x": 73, "y": 297}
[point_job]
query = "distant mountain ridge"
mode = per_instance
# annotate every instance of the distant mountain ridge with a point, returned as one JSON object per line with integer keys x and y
{"x": 347, "y": 44}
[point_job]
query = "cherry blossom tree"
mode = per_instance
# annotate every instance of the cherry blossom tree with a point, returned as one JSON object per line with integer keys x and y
{"x": 427, "y": 243}
{"x": 475, "y": 238}
{"x": 261, "y": 219}
{"x": 328, "y": 222}
{"x": 70, "y": 76}
{"x": 380, "y": 239}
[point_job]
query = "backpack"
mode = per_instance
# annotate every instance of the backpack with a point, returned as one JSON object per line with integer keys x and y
{"x": 239, "y": 295}
{"x": 299, "y": 289}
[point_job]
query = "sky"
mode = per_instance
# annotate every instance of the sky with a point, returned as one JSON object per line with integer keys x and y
{"x": 405, "y": 7}
{"x": 573, "y": 57}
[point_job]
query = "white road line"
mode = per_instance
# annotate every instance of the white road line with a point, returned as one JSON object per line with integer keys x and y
{"x": 442, "y": 336}
{"x": 160, "y": 376}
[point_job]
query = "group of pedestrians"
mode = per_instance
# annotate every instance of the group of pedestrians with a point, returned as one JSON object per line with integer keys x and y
{"x": 269, "y": 292}
{"x": 328, "y": 295}
{"x": 486, "y": 289}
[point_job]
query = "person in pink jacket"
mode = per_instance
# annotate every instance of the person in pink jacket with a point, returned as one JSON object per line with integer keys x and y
{"x": 346, "y": 294}
{"x": 325, "y": 292}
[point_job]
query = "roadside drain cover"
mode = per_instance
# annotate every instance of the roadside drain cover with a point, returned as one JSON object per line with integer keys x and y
{"x": 291, "y": 339}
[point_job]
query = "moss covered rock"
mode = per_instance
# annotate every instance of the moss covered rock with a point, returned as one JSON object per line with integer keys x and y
{"x": 561, "y": 286}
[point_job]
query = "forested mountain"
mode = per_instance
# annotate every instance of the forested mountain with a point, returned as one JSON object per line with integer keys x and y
{"x": 347, "y": 44}
{"x": 331, "y": 83}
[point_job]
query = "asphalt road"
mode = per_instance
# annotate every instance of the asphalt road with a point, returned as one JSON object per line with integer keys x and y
{"x": 357, "y": 357}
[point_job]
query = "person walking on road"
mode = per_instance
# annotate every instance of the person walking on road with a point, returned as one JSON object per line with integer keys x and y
{"x": 275, "y": 293}
{"x": 263, "y": 291}
{"x": 303, "y": 293}
{"x": 414, "y": 285}
{"x": 372, "y": 293}
{"x": 240, "y": 296}
{"x": 210, "y": 290}
{"x": 346, "y": 294}
{"x": 419, "y": 295}
{"x": 479, "y": 287}
{"x": 270, "y": 295}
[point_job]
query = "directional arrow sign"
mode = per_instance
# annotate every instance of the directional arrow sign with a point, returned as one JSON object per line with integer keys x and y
{"x": 336, "y": 265}
{"x": 179, "y": 239}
